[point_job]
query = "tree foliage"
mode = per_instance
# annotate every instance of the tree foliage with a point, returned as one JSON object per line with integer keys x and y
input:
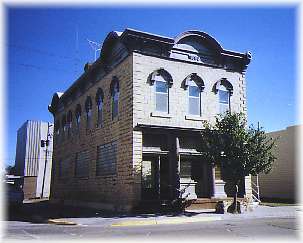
{"x": 238, "y": 149}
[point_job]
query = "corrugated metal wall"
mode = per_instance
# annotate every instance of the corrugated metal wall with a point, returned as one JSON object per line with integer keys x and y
{"x": 30, "y": 156}
{"x": 21, "y": 149}
{"x": 32, "y": 148}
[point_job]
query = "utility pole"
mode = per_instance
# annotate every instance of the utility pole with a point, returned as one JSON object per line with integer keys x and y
{"x": 46, "y": 143}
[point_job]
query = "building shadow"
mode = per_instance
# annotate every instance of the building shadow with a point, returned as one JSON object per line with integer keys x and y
{"x": 41, "y": 212}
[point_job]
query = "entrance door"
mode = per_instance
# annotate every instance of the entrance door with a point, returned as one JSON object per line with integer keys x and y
{"x": 150, "y": 178}
{"x": 155, "y": 177}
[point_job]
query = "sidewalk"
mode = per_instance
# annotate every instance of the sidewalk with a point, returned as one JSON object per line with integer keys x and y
{"x": 188, "y": 217}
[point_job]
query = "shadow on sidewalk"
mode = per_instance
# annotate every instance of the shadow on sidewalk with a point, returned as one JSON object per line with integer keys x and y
{"x": 40, "y": 212}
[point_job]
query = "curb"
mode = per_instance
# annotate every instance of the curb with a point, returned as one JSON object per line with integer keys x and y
{"x": 164, "y": 221}
{"x": 60, "y": 222}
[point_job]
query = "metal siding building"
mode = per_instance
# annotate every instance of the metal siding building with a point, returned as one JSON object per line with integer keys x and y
{"x": 30, "y": 156}
{"x": 280, "y": 182}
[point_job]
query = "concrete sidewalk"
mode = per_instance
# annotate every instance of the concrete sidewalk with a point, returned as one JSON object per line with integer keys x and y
{"x": 188, "y": 217}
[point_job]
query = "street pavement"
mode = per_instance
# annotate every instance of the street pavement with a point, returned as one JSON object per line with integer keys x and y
{"x": 278, "y": 223}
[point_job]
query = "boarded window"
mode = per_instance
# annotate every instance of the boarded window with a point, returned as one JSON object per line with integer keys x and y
{"x": 64, "y": 168}
{"x": 82, "y": 164}
{"x": 106, "y": 159}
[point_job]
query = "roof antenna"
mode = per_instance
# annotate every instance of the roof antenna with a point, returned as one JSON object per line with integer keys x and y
{"x": 95, "y": 46}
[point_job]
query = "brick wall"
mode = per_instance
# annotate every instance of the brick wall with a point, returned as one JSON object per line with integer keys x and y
{"x": 112, "y": 191}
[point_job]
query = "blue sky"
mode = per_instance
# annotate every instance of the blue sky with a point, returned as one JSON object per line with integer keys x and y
{"x": 47, "y": 49}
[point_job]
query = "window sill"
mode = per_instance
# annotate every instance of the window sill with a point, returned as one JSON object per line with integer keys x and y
{"x": 81, "y": 177}
{"x": 106, "y": 175}
{"x": 194, "y": 118}
{"x": 160, "y": 114}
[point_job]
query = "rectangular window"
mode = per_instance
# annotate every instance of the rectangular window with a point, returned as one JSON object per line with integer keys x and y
{"x": 106, "y": 159}
{"x": 161, "y": 87}
{"x": 223, "y": 101}
{"x": 82, "y": 164}
{"x": 161, "y": 96}
{"x": 185, "y": 169}
{"x": 223, "y": 96}
{"x": 194, "y": 91}
{"x": 194, "y": 106}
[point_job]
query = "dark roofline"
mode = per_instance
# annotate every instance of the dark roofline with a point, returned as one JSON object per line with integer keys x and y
{"x": 148, "y": 35}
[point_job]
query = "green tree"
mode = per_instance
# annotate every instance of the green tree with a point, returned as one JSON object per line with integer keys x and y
{"x": 10, "y": 170}
{"x": 239, "y": 150}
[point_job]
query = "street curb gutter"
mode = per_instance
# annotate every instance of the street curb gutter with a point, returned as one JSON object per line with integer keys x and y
{"x": 60, "y": 222}
{"x": 164, "y": 221}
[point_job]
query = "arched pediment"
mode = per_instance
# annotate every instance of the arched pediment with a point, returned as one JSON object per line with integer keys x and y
{"x": 193, "y": 77}
{"x": 225, "y": 83}
{"x": 160, "y": 72}
{"x": 197, "y": 41}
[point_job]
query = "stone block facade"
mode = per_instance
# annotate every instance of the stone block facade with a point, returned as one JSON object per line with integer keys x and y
{"x": 131, "y": 58}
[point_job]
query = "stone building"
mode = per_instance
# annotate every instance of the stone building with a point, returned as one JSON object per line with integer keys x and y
{"x": 31, "y": 161}
{"x": 127, "y": 130}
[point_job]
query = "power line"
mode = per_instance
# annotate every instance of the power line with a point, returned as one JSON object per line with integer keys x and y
{"x": 28, "y": 65}
{"x": 41, "y": 52}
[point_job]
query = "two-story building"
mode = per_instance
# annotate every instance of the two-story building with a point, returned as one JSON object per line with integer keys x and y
{"x": 128, "y": 130}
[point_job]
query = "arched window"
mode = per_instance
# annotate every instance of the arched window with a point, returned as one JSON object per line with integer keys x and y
{"x": 115, "y": 97}
{"x": 224, "y": 91}
{"x": 162, "y": 81}
{"x": 64, "y": 127}
{"x": 99, "y": 102}
{"x": 69, "y": 123}
{"x": 195, "y": 86}
{"x": 88, "y": 109}
{"x": 78, "y": 117}
{"x": 57, "y": 129}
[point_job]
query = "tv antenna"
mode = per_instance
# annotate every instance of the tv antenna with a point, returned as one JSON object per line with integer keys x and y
{"x": 95, "y": 46}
